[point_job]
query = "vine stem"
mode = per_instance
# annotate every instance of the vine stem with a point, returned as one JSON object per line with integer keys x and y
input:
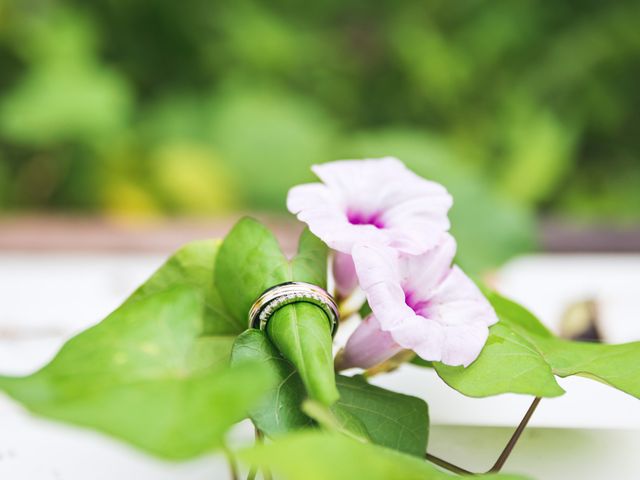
{"x": 506, "y": 452}
{"x": 233, "y": 467}
{"x": 253, "y": 472}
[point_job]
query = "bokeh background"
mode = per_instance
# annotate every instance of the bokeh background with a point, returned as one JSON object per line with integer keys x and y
{"x": 198, "y": 108}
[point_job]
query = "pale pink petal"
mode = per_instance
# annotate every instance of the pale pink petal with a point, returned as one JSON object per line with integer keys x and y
{"x": 372, "y": 201}
{"x": 464, "y": 316}
{"x": 427, "y": 306}
{"x": 379, "y": 277}
{"x": 368, "y": 346}
{"x": 458, "y": 301}
{"x": 425, "y": 337}
{"x": 422, "y": 273}
{"x": 464, "y": 343}
{"x": 344, "y": 273}
{"x": 326, "y": 216}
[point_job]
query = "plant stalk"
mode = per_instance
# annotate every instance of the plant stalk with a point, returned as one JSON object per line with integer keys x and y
{"x": 233, "y": 467}
{"x": 506, "y": 452}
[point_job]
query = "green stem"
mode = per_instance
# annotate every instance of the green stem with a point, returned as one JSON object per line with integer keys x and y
{"x": 301, "y": 332}
{"x": 233, "y": 467}
{"x": 266, "y": 474}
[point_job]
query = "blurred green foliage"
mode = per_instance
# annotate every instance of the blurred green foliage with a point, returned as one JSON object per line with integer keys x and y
{"x": 202, "y": 107}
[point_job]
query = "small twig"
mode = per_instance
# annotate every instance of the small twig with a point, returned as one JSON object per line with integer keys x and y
{"x": 506, "y": 452}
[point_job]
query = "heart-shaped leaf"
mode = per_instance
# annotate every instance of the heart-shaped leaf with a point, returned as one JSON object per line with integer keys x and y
{"x": 391, "y": 419}
{"x": 250, "y": 261}
{"x": 522, "y": 356}
{"x": 316, "y": 455}
{"x": 149, "y": 374}
{"x": 336, "y": 419}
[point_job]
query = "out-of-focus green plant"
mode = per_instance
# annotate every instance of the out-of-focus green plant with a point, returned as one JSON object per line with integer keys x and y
{"x": 136, "y": 108}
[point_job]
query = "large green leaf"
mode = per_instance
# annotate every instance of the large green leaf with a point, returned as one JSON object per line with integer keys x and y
{"x": 250, "y": 261}
{"x": 318, "y": 456}
{"x": 391, "y": 419}
{"x": 149, "y": 374}
{"x": 336, "y": 419}
{"x": 522, "y": 356}
{"x": 192, "y": 265}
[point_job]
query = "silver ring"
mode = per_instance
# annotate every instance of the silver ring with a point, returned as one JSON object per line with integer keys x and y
{"x": 278, "y": 296}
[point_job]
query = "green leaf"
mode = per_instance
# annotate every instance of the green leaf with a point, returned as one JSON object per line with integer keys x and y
{"x": 279, "y": 410}
{"x": 391, "y": 419}
{"x": 148, "y": 374}
{"x": 318, "y": 456}
{"x": 336, "y": 419}
{"x": 192, "y": 265}
{"x": 250, "y": 262}
{"x": 522, "y": 356}
{"x": 310, "y": 264}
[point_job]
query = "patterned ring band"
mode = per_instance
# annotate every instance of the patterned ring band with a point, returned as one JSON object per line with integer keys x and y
{"x": 291, "y": 292}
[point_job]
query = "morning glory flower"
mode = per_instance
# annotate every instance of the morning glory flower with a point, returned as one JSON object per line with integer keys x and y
{"x": 378, "y": 202}
{"x": 423, "y": 303}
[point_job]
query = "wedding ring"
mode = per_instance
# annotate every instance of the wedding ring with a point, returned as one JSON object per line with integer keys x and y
{"x": 287, "y": 293}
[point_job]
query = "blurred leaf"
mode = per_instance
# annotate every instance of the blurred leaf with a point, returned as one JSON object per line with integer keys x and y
{"x": 66, "y": 94}
{"x": 250, "y": 262}
{"x": 318, "y": 456}
{"x": 193, "y": 266}
{"x": 270, "y": 138}
{"x": 193, "y": 180}
{"x": 522, "y": 356}
{"x": 149, "y": 373}
{"x": 388, "y": 418}
{"x": 539, "y": 152}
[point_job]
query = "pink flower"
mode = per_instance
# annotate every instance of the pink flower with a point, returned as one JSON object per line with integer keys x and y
{"x": 423, "y": 303}
{"x": 376, "y": 202}
{"x": 367, "y": 346}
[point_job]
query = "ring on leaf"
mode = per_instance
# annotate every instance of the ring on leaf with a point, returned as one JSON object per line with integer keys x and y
{"x": 287, "y": 293}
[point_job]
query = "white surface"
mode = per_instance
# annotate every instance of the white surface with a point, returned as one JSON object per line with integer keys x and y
{"x": 546, "y": 284}
{"x": 45, "y": 299}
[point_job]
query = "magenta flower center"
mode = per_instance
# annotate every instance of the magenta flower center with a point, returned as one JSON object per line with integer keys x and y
{"x": 361, "y": 218}
{"x": 420, "y": 306}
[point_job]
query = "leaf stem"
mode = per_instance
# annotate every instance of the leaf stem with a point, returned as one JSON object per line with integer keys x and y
{"x": 446, "y": 465}
{"x": 502, "y": 459}
{"x": 233, "y": 467}
{"x": 506, "y": 452}
{"x": 266, "y": 474}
